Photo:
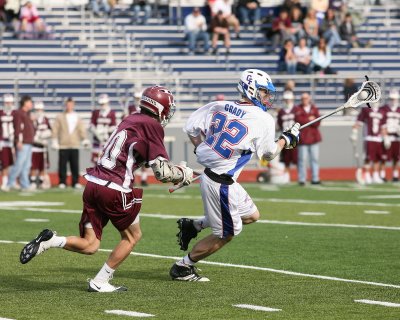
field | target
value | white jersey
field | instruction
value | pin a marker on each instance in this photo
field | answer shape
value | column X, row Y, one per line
column 233, row 132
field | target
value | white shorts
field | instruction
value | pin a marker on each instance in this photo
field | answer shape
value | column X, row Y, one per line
column 225, row 206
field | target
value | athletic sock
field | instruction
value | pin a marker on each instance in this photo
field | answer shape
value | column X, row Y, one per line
column 201, row 223
column 143, row 178
column 58, row 242
column 395, row 173
column 105, row 274
column 383, row 174
column 4, row 181
column 186, row 261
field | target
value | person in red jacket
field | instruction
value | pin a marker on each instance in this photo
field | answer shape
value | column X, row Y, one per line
column 310, row 138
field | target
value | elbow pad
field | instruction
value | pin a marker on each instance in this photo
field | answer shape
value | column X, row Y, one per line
column 165, row 171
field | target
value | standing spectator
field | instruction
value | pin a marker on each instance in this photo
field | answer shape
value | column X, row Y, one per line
column 100, row 5
column 310, row 138
column 285, row 119
column 138, row 6
column 330, row 28
column 348, row 33
column 311, row 27
column 287, row 58
column 30, row 20
column 135, row 107
column 322, row 57
column 68, row 133
column 196, row 30
column 24, row 132
column 225, row 7
column 39, row 151
column 7, row 150
column 249, row 12
column 102, row 124
column 391, row 132
column 281, row 29
column 220, row 27
column 303, row 57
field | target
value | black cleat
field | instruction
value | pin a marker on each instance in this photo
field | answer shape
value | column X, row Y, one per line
column 187, row 232
column 186, row 273
column 36, row 246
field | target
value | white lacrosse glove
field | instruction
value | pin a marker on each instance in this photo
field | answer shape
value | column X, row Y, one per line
column 291, row 136
column 86, row 143
column 354, row 135
column 387, row 142
column 187, row 173
column 55, row 145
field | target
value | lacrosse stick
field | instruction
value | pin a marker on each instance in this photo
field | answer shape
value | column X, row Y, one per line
column 369, row 92
column 181, row 185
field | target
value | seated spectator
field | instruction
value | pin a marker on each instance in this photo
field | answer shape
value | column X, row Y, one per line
column 320, row 7
column 349, row 88
column 321, row 58
column 11, row 10
column 220, row 27
column 281, row 29
column 196, row 30
column 287, row 59
column 32, row 26
column 141, row 5
column 348, row 33
column 225, row 7
column 288, row 5
column 3, row 18
column 303, row 57
column 330, row 28
column 296, row 18
column 249, row 12
column 100, row 5
column 311, row 27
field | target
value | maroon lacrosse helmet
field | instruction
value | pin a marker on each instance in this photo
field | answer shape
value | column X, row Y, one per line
column 159, row 101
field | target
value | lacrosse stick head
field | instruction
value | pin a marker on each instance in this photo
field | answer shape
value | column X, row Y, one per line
column 370, row 92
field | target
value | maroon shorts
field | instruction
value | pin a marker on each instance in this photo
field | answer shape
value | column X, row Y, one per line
column 101, row 204
column 373, row 151
column 6, row 158
column 289, row 156
column 38, row 161
column 393, row 153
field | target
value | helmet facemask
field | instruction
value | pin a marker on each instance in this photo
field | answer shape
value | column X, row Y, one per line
column 165, row 118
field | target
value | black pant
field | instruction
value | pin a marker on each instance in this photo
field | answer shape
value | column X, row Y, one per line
column 71, row 156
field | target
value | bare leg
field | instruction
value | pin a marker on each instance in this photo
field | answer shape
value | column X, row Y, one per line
column 250, row 219
column 89, row 244
column 207, row 246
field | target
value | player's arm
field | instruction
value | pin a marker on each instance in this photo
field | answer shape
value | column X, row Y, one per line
column 166, row 171
column 195, row 125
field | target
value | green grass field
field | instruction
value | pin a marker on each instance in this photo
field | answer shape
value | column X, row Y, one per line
column 310, row 266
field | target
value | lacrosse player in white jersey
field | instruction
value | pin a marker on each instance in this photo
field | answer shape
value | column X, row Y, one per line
column 226, row 134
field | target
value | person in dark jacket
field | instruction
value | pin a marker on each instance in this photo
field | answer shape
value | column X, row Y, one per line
column 249, row 11
column 310, row 138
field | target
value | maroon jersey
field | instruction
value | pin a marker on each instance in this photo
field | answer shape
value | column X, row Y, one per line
column 391, row 120
column 285, row 118
column 104, row 123
column 138, row 139
column 310, row 134
column 372, row 120
column 7, row 127
column 23, row 127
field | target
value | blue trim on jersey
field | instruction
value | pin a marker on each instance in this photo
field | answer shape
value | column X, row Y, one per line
column 227, row 223
column 243, row 159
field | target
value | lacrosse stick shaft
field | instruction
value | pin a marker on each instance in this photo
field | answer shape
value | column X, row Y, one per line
column 322, row 117
column 177, row 187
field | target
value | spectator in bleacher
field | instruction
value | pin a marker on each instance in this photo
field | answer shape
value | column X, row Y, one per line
column 99, row 6
column 196, row 30
column 330, row 28
column 30, row 20
column 249, row 12
column 68, row 133
column 3, row 17
column 220, row 27
column 320, row 7
column 11, row 9
column 7, row 150
column 24, row 132
column 138, row 6
column 303, row 57
column 348, row 33
column 311, row 27
column 40, row 157
column 290, row 85
column 287, row 59
column 225, row 6
column 281, row 29
column 288, row 5
column 296, row 19
column 349, row 88
column 322, row 58
column 310, row 138
column 335, row 4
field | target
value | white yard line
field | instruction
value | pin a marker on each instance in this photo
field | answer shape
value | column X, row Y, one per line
column 380, row 196
column 29, row 204
column 380, row 303
column 240, row 266
column 306, row 213
column 6, row 319
column 376, row 212
column 257, row 308
column 129, row 313
column 36, row 220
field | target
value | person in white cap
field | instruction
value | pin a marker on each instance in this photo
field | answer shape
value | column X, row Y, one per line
column 39, row 177
column 391, row 134
column 6, row 137
column 102, row 124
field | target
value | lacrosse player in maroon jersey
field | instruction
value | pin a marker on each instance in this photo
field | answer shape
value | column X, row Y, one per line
column 391, row 133
column 102, row 124
column 109, row 195
column 39, row 149
column 285, row 119
column 372, row 120
column 6, row 138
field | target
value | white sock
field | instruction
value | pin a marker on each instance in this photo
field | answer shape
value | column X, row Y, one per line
column 201, row 223
column 105, row 274
column 144, row 176
column 58, row 242
column 4, row 181
column 186, row 261
column 395, row 173
column 383, row 174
